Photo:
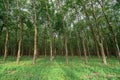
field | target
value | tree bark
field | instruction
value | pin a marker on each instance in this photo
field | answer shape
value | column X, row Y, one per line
column 65, row 32
column 76, row 32
column 61, row 49
column 98, row 39
column 7, row 31
column 97, row 50
column 45, row 42
column 84, row 48
column 20, row 42
column 103, row 54
column 35, row 32
column 20, row 24
column 111, row 30
column 51, row 34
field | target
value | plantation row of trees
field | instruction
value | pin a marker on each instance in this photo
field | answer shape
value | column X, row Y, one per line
column 60, row 27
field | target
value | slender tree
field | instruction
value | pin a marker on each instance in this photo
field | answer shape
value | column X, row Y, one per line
column 110, row 29
column 7, row 29
column 35, row 31
column 99, row 41
column 20, row 24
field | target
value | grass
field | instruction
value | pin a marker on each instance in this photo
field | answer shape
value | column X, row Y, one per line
column 58, row 70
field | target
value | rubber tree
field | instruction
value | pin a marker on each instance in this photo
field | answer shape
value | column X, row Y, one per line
column 6, row 4
column 98, row 39
column 110, row 29
column 20, row 24
column 35, row 31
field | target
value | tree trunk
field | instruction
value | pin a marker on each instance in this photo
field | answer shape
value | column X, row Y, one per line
column 97, row 50
column 84, row 48
column 111, row 30
column 87, row 45
column 103, row 54
column 65, row 32
column 66, row 50
column 51, row 50
column 45, row 42
column 20, row 42
column 78, row 45
column 6, row 42
column 51, row 34
column 7, row 31
column 61, row 49
column 35, row 33
column 98, row 39
column 71, row 48
column 76, row 32
column 20, row 38
column 45, row 51
column 29, row 48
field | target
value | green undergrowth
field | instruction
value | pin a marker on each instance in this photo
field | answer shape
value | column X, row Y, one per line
column 58, row 70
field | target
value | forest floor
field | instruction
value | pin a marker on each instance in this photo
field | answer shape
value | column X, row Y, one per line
column 58, row 70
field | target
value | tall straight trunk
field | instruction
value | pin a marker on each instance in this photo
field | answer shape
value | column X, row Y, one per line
column 111, row 30
column 76, row 32
column 96, row 24
column 20, row 42
column 51, row 34
column 99, row 40
column 66, row 49
column 71, row 48
column 65, row 38
column 54, row 46
column 78, row 44
column 7, row 31
column 16, row 40
column 20, row 38
column 97, row 50
column 88, row 50
column 61, row 49
column 6, row 42
column 100, row 43
column 84, row 48
column 45, row 50
column 87, row 44
column 45, row 42
column 65, row 31
column 105, row 41
column 51, row 50
column 35, row 32
column 103, row 54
